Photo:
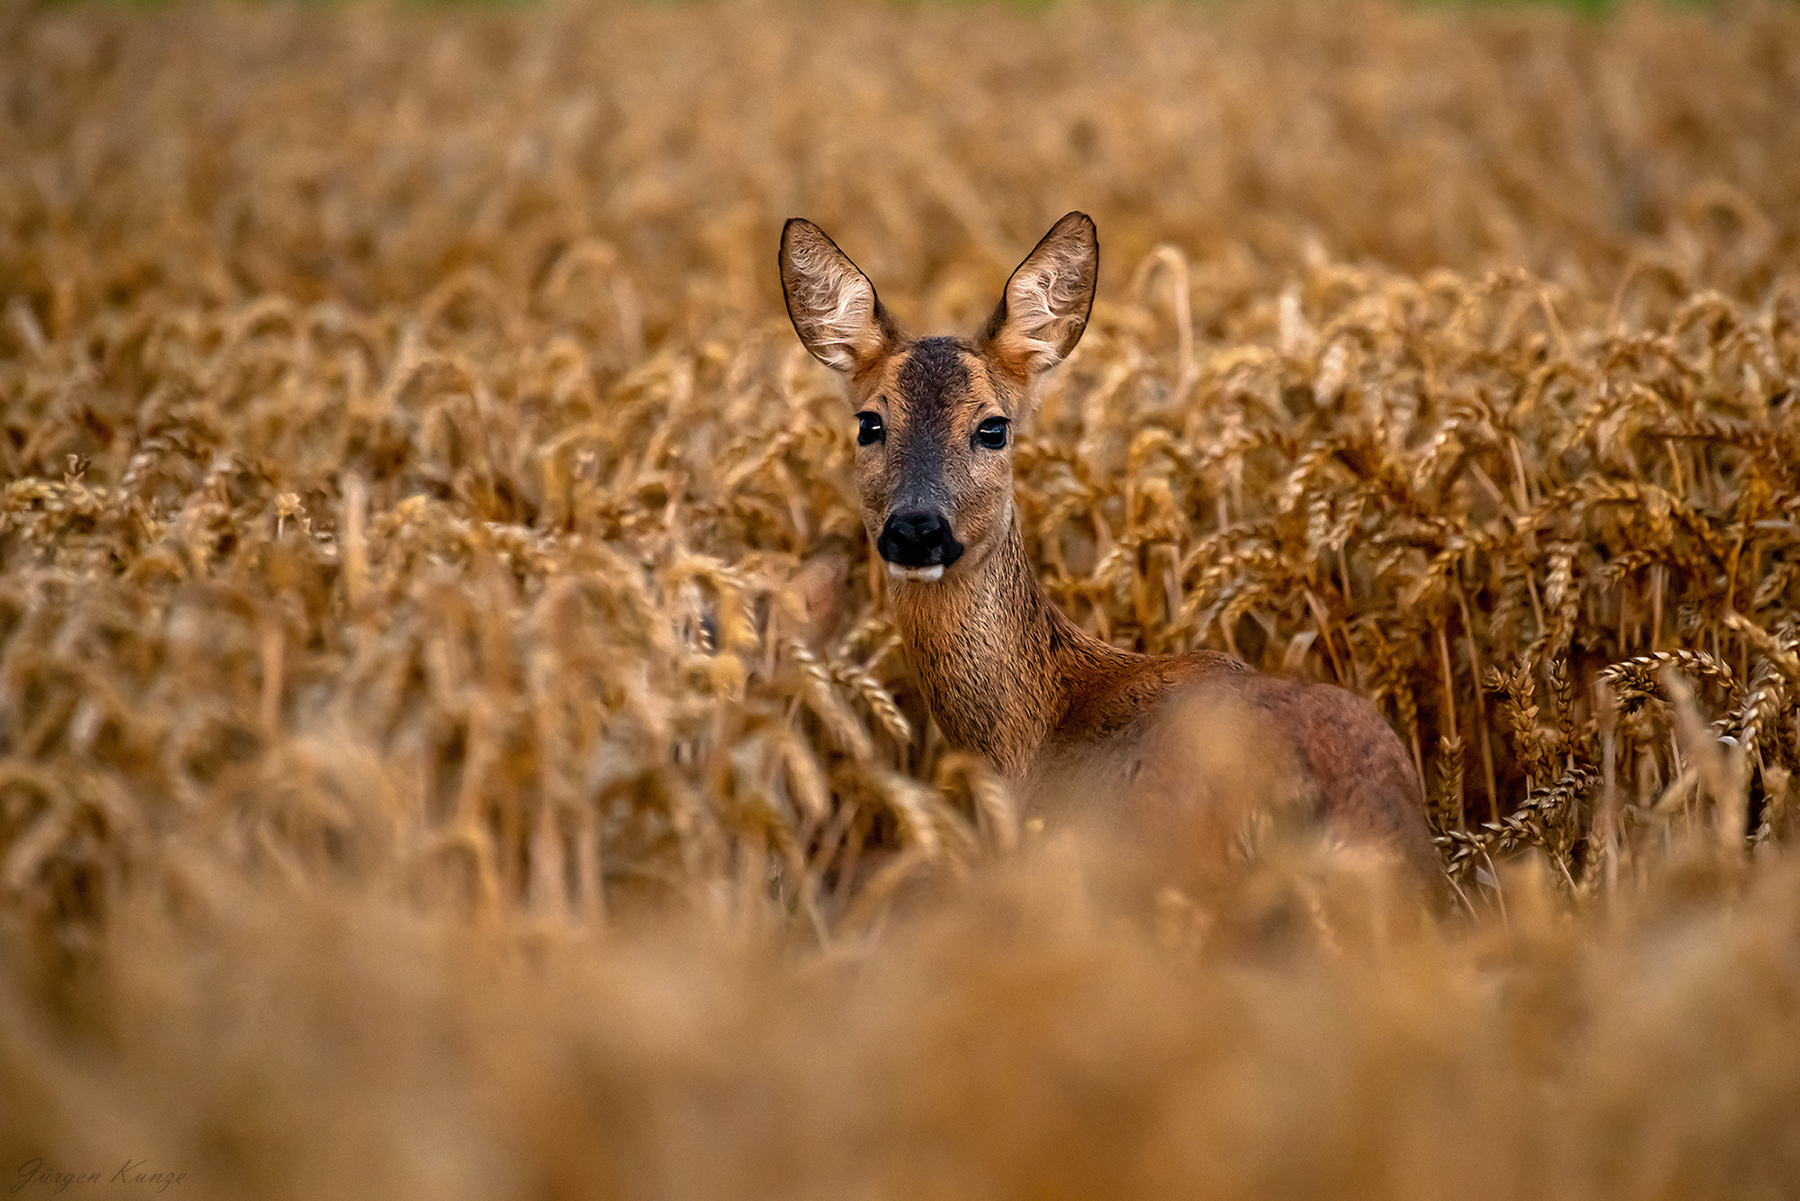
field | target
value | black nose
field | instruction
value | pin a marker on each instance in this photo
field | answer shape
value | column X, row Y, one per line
column 918, row 540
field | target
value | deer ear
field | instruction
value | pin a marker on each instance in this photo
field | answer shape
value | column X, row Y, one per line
column 1045, row 307
column 833, row 305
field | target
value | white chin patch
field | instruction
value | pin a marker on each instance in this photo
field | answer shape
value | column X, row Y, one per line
column 922, row 575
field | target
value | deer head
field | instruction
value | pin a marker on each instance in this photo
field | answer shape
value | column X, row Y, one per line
column 935, row 416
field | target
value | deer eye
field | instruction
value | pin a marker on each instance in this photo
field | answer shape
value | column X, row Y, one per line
column 869, row 428
column 992, row 433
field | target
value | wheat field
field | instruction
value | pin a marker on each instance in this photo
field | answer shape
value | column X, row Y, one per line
column 452, row 743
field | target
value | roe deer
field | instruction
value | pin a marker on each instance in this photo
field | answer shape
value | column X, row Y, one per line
column 1167, row 747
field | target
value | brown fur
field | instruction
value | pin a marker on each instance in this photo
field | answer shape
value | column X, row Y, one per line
column 1167, row 747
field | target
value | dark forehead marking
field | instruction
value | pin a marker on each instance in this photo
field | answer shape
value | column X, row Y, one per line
column 932, row 373
column 934, row 366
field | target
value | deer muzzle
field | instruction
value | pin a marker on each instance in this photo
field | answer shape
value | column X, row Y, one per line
column 918, row 546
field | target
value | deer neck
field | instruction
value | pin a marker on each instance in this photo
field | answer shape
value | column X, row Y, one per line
column 998, row 662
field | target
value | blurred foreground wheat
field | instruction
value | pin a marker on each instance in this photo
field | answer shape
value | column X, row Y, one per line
column 451, row 743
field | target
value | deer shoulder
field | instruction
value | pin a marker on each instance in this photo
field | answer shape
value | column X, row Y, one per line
column 1172, row 748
